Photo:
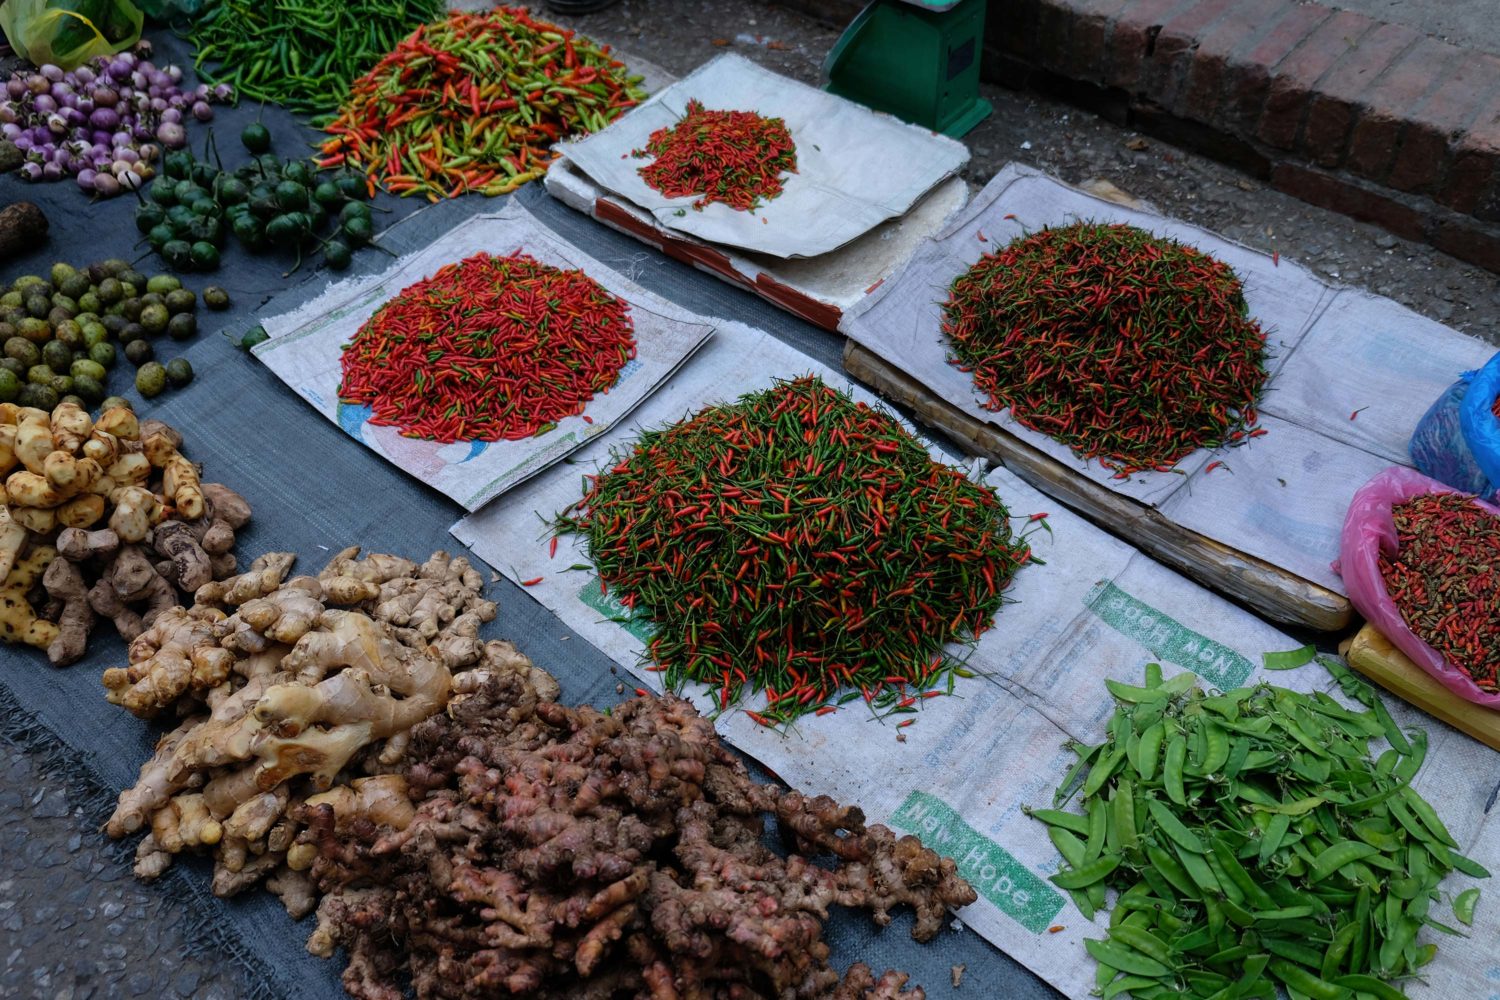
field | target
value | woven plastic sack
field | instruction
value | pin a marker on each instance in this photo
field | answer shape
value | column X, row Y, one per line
column 1457, row 441
column 68, row 33
column 1368, row 531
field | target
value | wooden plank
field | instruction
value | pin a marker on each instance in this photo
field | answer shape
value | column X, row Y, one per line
column 1268, row 589
column 1372, row 654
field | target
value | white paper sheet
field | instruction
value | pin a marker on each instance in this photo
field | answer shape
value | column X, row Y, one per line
column 855, row 167
column 1096, row 609
column 306, row 345
column 1331, row 351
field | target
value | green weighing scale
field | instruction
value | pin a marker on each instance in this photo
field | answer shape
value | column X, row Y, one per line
column 916, row 59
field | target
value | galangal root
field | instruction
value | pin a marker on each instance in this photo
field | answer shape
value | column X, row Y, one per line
column 563, row 852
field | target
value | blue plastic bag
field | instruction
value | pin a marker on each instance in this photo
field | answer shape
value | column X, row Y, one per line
column 1457, row 441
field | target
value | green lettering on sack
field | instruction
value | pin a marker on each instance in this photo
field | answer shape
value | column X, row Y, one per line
column 1168, row 638
column 995, row 874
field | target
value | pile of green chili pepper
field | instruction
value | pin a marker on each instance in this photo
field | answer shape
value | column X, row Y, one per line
column 801, row 544
column 1255, row 842
column 301, row 54
column 1126, row 347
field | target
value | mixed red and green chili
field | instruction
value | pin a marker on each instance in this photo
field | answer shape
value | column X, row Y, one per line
column 1445, row 579
column 735, row 158
column 800, row 544
column 474, row 103
column 1128, row 348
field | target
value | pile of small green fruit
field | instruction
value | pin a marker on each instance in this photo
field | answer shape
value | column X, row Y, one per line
column 62, row 334
column 188, row 212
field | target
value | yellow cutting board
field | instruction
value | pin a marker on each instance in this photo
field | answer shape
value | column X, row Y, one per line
column 1372, row 654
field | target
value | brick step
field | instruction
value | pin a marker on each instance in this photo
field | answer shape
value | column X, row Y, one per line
column 1373, row 120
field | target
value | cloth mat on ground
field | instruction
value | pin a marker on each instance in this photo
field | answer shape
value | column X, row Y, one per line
column 314, row 491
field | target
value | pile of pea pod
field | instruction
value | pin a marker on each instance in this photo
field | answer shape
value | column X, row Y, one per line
column 1254, row 841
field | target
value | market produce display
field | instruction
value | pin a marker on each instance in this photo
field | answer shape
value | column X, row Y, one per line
column 1254, row 841
column 290, row 689
column 61, row 335
column 1444, row 577
column 1129, row 348
column 735, row 158
column 474, row 103
column 267, row 204
column 550, row 851
column 302, row 56
column 489, row 349
column 113, row 516
column 800, row 544
column 104, row 123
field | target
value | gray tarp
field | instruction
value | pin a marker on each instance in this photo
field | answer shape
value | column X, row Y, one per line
column 314, row 491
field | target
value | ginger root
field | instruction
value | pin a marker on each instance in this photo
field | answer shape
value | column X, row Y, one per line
column 297, row 692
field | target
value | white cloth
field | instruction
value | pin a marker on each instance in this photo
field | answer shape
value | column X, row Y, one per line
column 306, row 345
column 1332, row 351
column 856, row 168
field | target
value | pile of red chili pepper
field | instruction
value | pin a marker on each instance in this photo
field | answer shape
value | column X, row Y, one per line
column 490, row 349
column 1445, row 579
column 1126, row 347
column 732, row 157
column 800, row 544
column 474, row 103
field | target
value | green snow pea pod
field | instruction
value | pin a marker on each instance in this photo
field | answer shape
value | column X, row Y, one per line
column 1463, row 906
column 1098, row 829
column 1128, row 984
column 1172, row 770
column 1167, row 867
column 1102, row 771
column 1297, row 978
column 1056, row 817
column 1272, row 838
column 1369, row 985
column 1148, row 751
column 1337, row 856
column 1117, row 956
column 1123, row 803
column 1068, row 845
column 1338, row 950
column 1174, row 827
column 1088, row 874
column 1145, row 942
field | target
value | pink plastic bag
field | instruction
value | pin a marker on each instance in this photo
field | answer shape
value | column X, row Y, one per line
column 1368, row 531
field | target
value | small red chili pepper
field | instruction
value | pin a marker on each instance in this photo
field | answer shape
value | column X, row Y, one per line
column 532, row 582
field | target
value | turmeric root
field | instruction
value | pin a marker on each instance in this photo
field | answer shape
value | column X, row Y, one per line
column 18, row 619
column 98, row 489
